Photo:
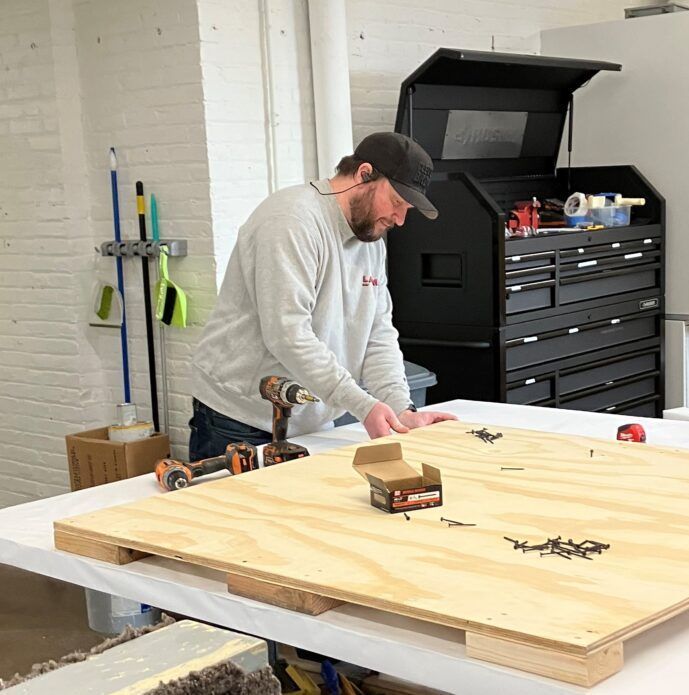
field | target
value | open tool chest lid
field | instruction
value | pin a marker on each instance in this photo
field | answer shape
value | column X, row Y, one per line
column 491, row 114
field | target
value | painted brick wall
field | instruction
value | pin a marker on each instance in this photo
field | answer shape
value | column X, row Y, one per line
column 259, row 107
column 140, row 75
column 39, row 348
column 77, row 77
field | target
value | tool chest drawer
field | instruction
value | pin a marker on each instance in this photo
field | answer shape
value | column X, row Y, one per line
column 530, row 282
column 644, row 408
column 604, row 271
column 576, row 339
column 599, row 382
column 609, row 396
column 531, row 391
column 562, row 278
column 608, row 371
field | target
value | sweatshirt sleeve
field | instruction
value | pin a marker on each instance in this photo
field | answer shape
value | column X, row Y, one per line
column 286, row 262
column 383, row 370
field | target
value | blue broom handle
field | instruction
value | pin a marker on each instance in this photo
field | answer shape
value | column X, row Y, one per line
column 120, row 278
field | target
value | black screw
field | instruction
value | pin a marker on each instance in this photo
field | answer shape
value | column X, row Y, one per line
column 406, row 516
column 452, row 522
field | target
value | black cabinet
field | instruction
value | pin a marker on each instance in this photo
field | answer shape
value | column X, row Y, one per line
column 568, row 319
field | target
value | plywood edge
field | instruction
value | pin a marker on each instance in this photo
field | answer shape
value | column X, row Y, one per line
column 98, row 550
column 282, row 596
column 585, row 670
column 642, row 625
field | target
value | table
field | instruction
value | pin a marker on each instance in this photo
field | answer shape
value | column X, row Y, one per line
column 424, row 653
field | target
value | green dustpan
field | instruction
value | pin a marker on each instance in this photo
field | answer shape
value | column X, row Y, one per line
column 171, row 301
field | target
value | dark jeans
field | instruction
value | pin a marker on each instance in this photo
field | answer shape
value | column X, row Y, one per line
column 212, row 431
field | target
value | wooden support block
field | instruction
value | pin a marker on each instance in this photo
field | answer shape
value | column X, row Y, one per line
column 282, row 596
column 586, row 670
column 97, row 550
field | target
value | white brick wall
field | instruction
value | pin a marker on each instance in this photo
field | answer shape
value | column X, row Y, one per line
column 141, row 92
column 235, row 64
column 39, row 352
column 179, row 88
column 77, row 77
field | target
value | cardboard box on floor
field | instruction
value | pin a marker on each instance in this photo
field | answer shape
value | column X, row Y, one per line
column 94, row 459
column 395, row 485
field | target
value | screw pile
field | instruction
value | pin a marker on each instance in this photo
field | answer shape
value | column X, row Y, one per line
column 567, row 549
column 484, row 435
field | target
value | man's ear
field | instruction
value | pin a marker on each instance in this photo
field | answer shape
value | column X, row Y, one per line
column 365, row 174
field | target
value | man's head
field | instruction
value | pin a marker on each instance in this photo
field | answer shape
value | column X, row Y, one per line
column 396, row 171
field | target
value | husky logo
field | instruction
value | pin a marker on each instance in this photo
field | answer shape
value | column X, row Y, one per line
column 369, row 281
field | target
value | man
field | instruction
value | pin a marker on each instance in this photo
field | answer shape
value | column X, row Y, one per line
column 305, row 296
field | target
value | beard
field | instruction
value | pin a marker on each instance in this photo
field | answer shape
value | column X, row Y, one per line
column 362, row 220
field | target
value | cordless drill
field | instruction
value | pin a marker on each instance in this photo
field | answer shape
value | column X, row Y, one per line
column 284, row 394
column 239, row 457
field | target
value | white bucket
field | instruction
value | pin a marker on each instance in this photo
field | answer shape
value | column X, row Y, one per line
column 111, row 614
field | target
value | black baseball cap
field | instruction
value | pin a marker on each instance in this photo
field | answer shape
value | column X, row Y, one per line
column 404, row 163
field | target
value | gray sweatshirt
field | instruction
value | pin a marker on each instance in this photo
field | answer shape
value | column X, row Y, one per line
column 303, row 298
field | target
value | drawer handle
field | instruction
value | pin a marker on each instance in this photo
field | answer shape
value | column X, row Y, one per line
column 528, row 382
column 614, row 321
column 573, row 330
column 530, row 286
column 585, row 264
column 531, row 339
column 648, row 241
column 616, row 245
column 627, row 256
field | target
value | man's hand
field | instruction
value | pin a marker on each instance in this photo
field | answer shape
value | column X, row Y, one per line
column 413, row 420
column 382, row 419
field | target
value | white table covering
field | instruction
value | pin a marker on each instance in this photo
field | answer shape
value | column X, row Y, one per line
column 655, row 661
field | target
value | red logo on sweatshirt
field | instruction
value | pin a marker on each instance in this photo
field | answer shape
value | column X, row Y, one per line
column 369, row 280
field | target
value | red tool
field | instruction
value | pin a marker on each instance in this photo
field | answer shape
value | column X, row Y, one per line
column 631, row 433
column 524, row 218
column 238, row 458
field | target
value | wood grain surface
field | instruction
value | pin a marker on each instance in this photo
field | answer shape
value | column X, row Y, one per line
column 308, row 525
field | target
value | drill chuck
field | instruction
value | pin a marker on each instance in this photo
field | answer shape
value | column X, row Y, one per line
column 285, row 392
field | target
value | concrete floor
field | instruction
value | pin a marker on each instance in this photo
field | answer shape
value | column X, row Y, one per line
column 40, row 619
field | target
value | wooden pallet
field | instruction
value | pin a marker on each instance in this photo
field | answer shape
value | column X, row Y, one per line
column 304, row 536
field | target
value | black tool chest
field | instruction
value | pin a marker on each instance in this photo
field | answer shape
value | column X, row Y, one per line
column 562, row 319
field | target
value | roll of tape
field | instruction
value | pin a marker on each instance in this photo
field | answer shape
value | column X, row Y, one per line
column 130, row 433
column 576, row 205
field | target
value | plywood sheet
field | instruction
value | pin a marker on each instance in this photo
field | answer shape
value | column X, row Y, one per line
column 308, row 525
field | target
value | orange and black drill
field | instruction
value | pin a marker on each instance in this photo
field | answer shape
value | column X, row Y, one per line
column 238, row 458
column 284, row 394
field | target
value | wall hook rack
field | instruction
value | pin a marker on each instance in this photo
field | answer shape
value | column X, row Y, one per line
column 138, row 249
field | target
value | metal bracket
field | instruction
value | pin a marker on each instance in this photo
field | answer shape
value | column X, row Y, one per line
column 137, row 248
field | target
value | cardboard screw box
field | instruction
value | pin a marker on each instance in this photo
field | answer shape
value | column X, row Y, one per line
column 95, row 460
column 395, row 485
